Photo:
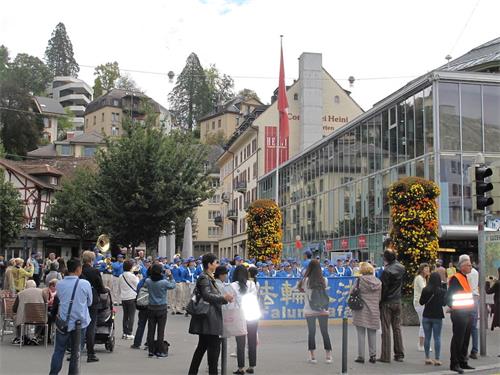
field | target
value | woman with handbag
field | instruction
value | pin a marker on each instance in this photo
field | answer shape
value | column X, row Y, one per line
column 316, row 307
column 433, row 297
column 127, row 289
column 367, row 319
column 206, row 322
column 246, row 297
column 419, row 284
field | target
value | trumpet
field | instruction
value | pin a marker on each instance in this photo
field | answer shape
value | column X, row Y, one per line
column 103, row 243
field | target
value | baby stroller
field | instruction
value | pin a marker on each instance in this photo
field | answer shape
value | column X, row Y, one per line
column 105, row 327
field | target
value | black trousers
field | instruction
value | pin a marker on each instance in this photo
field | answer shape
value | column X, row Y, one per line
column 252, row 345
column 128, row 316
column 157, row 320
column 462, row 327
column 36, row 279
column 211, row 345
column 323, row 327
column 90, row 334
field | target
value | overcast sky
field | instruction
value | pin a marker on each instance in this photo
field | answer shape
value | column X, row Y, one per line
column 366, row 39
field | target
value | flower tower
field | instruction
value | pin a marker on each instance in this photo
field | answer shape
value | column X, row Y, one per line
column 414, row 230
column 264, row 231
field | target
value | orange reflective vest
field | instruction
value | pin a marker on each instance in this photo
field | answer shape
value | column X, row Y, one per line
column 462, row 300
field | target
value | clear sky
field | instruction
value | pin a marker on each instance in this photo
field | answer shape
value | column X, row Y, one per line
column 366, row 39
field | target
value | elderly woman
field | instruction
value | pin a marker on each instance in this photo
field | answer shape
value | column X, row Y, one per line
column 29, row 295
column 8, row 281
column 367, row 320
column 21, row 274
column 53, row 274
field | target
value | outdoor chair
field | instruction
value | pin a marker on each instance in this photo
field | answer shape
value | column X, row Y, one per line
column 7, row 313
column 35, row 314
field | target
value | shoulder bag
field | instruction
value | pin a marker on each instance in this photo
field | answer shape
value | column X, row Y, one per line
column 197, row 306
column 142, row 298
column 61, row 324
column 355, row 302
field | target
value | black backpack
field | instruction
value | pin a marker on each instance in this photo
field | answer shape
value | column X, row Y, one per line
column 319, row 300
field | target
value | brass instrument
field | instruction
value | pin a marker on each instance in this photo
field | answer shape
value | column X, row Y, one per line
column 103, row 243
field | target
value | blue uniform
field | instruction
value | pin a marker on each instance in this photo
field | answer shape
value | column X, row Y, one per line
column 177, row 274
column 347, row 271
column 283, row 273
column 305, row 264
column 378, row 272
column 191, row 274
column 103, row 267
column 98, row 259
column 117, row 268
column 326, row 273
column 199, row 270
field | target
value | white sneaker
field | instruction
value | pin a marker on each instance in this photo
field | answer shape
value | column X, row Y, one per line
column 420, row 348
column 129, row 337
column 312, row 360
column 234, row 355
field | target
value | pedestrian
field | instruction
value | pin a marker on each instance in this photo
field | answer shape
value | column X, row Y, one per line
column 117, row 270
column 367, row 320
column 208, row 327
column 451, row 270
column 93, row 276
column 62, row 267
column 419, row 284
column 390, row 307
column 142, row 316
column 493, row 287
column 3, row 267
column 432, row 298
column 31, row 294
column 49, row 295
column 51, row 259
column 473, row 278
column 106, row 269
column 37, row 269
column 157, row 286
column 127, row 290
column 220, row 276
column 74, row 297
column 21, row 274
column 246, row 290
column 314, row 281
column 8, row 280
column 176, row 294
column 52, row 274
column 442, row 272
column 460, row 300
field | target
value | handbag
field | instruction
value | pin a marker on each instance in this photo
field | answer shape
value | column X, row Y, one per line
column 61, row 324
column 355, row 302
column 197, row 306
column 142, row 298
column 250, row 304
column 233, row 321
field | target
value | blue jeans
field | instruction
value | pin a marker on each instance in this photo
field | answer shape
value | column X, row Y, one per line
column 141, row 326
column 432, row 327
column 62, row 341
column 474, row 330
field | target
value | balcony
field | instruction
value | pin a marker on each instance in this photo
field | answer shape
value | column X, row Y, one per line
column 219, row 221
column 225, row 197
column 232, row 215
column 241, row 187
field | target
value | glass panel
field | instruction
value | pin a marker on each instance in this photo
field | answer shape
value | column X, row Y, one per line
column 357, row 146
column 467, row 163
column 371, row 205
column 377, row 151
column 385, row 140
column 393, row 136
column 472, row 132
column 360, row 199
column 451, row 190
column 386, row 183
column 419, row 124
column 428, row 120
column 402, row 138
column 449, row 124
column 491, row 105
column 370, row 145
column 410, row 129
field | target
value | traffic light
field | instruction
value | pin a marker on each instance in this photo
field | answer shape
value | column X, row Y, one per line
column 483, row 187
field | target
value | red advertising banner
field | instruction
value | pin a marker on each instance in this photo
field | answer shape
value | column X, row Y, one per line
column 270, row 149
column 329, row 245
column 362, row 241
column 344, row 243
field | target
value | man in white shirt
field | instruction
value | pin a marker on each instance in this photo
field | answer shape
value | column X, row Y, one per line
column 473, row 279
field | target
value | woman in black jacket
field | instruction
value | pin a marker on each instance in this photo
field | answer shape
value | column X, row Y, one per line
column 208, row 328
column 434, row 298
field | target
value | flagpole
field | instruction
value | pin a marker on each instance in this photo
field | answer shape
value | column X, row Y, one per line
column 276, row 188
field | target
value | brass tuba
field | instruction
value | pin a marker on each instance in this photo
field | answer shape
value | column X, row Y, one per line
column 103, row 243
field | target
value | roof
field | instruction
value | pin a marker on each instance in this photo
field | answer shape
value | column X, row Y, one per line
column 92, row 137
column 13, row 166
column 246, row 123
column 477, row 58
column 65, row 165
column 230, row 106
column 44, row 151
column 106, row 100
column 48, row 105
column 44, row 169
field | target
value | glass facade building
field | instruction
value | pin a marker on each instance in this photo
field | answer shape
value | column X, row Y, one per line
column 334, row 195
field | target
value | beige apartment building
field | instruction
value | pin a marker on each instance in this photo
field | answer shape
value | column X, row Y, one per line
column 318, row 105
column 224, row 120
column 104, row 115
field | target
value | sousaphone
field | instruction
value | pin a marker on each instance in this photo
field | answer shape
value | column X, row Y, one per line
column 103, row 243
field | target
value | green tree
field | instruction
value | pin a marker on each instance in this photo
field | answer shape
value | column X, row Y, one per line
column 106, row 76
column 190, row 98
column 248, row 94
column 126, row 82
column 147, row 179
column 217, row 139
column 30, row 73
column 220, row 86
column 4, row 61
column 20, row 129
column 64, row 124
column 59, row 53
column 11, row 212
column 73, row 211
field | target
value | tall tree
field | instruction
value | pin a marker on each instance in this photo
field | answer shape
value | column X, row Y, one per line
column 73, row 212
column 30, row 73
column 59, row 53
column 190, row 98
column 11, row 212
column 248, row 94
column 4, row 61
column 126, row 82
column 106, row 76
column 147, row 179
column 220, row 85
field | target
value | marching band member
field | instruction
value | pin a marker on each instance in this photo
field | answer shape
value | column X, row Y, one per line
column 339, row 268
column 177, row 292
column 117, row 270
column 106, row 268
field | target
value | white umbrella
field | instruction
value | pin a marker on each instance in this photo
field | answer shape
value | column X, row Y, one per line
column 170, row 245
column 162, row 245
column 187, row 245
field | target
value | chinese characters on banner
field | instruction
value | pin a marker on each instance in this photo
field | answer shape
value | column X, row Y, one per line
column 281, row 300
column 270, row 149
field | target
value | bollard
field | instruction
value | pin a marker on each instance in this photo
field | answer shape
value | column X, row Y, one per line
column 344, row 346
column 223, row 365
column 74, row 362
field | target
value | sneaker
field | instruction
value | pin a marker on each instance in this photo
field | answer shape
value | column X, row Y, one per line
column 359, row 360
column 92, row 358
column 16, row 341
column 129, row 337
column 161, row 355
column 312, row 360
column 420, row 348
column 429, row 361
column 473, row 355
column 233, row 355
column 135, row 346
column 151, row 355
column 437, row 362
